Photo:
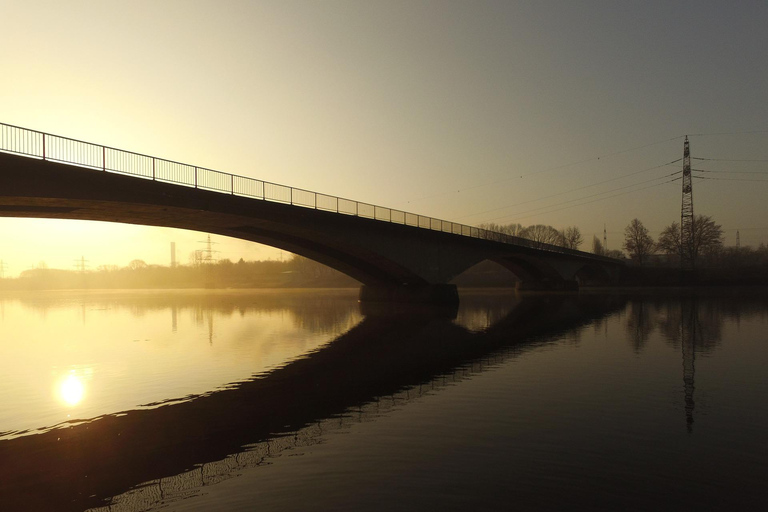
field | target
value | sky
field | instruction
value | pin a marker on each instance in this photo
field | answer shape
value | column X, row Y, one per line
column 533, row 112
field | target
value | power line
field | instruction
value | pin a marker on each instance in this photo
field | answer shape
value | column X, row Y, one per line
column 727, row 159
column 549, row 169
column 577, row 189
column 731, row 172
column 726, row 133
column 597, row 194
column 578, row 162
column 602, row 156
column 599, row 199
column 729, row 179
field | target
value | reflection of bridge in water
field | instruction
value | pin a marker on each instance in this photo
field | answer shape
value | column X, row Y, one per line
column 169, row 489
column 397, row 255
column 353, row 378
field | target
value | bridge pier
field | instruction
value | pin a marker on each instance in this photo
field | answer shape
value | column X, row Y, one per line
column 411, row 294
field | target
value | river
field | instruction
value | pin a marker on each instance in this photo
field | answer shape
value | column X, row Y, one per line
column 304, row 399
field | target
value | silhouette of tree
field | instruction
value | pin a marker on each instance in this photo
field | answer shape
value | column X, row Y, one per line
column 542, row 234
column 506, row 229
column 669, row 239
column 707, row 237
column 597, row 246
column 571, row 237
column 137, row 264
column 637, row 242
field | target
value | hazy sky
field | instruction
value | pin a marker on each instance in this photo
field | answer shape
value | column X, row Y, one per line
column 472, row 111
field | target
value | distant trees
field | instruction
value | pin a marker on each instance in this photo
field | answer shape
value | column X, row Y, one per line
column 137, row 264
column 707, row 240
column 294, row 272
column 572, row 238
column 669, row 239
column 569, row 237
column 597, row 246
column 542, row 234
column 707, row 237
column 599, row 249
column 506, row 229
column 638, row 242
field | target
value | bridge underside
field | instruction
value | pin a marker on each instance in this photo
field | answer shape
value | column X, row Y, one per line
column 393, row 261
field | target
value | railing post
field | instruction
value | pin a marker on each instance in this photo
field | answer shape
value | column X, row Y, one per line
column 104, row 158
column 153, row 169
column 195, row 176
column 232, row 182
column 43, row 146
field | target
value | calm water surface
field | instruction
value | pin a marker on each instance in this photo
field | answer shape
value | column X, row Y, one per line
column 133, row 401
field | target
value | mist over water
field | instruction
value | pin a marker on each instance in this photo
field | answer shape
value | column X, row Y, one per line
column 293, row 399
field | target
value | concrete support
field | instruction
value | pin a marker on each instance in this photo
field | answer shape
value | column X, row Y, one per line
column 415, row 294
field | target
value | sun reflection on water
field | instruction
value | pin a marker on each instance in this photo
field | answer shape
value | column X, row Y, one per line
column 71, row 389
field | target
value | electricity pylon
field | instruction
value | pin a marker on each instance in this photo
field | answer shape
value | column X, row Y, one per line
column 687, row 233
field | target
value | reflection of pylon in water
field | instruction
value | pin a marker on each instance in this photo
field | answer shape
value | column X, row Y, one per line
column 689, row 333
column 210, row 328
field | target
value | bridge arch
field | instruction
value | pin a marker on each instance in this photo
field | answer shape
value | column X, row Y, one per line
column 403, row 260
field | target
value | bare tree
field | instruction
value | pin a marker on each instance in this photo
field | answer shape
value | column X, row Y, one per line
column 137, row 264
column 597, row 246
column 571, row 237
column 707, row 237
column 542, row 234
column 637, row 242
column 494, row 229
column 669, row 239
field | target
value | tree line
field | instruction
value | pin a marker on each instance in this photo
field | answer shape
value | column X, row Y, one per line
column 294, row 272
column 707, row 249
column 569, row 237
column 707, row 240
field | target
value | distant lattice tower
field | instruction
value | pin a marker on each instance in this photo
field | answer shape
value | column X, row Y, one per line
column 207, row 254
column 687, row 246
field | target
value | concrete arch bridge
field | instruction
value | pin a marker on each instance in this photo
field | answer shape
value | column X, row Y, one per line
column 396, row 255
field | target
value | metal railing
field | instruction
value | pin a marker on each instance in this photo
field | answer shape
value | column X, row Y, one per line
column 35, row 144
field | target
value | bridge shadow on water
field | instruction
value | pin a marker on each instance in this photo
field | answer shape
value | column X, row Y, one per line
column 135, row 459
